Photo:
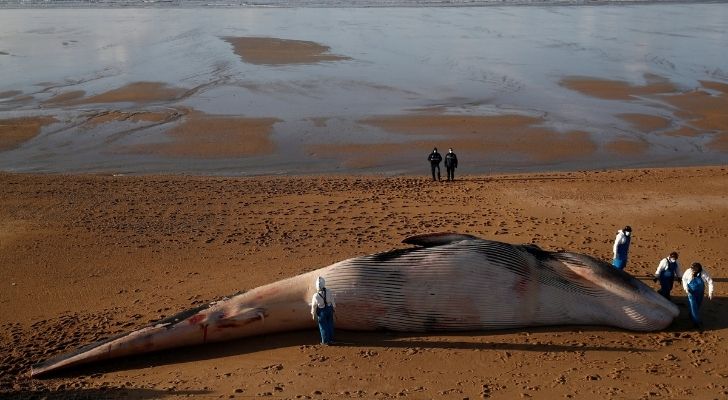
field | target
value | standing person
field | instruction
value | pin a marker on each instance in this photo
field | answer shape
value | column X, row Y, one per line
column 322, row 306
column 621, row 247
column 434, row 158
column 693, row 281
column 451, row 162
column 667, row 271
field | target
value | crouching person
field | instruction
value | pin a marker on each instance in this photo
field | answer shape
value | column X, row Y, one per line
column 322, row 307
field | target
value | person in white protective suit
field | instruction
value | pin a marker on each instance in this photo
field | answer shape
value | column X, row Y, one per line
column 621, row 247
column 322, row 307
column 694, row 281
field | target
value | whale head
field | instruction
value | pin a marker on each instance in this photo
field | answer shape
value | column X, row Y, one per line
column 616, row 297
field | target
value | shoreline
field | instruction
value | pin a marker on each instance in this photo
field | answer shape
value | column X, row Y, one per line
column 363, row 4
column 373, row 175
column 376, row 174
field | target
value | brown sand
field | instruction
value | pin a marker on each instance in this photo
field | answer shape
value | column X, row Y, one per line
column 209, row 136
column 720, row 142
column 483, row 136
column 618, row 90
column 646, row 123
column 700, row 111
column 137, row 92
column 627, row 147
column 9, row 94
column 704, row 110
column 453, row 124
column 319, row 122
column 684, row 131
column 106, row 117
column 84, row 257
column 66, row 97
column 274, row 51
column 529, row 145
column 14, row 132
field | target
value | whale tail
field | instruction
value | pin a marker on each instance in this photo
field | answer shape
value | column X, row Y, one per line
column 147, row 339
column 275, row 307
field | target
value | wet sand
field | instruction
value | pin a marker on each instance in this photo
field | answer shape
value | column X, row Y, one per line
column 646, row 123
column 118, row 116
column 9, row 93
column 695, row 116
column 618, row 90
column 373, row 98
column 275, row 51
column 15, row 132
column 137, row 92
column 84, row 257
column 199, row 135
column 698, row 111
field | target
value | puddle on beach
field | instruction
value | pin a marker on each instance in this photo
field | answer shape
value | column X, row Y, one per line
column 370, row 90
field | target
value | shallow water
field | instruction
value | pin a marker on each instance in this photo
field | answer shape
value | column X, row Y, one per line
column 474, row 61
column 304, row 3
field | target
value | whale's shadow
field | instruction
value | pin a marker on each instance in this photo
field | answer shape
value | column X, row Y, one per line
column 106, row 393
column 345, row 338
column 713, row 313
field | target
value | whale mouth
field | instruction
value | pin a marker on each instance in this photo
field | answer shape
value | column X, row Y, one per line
column 649, row 310
column 642, row 308
column 658, row 302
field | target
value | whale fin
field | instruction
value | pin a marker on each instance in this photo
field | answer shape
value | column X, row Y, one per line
column 437, row 239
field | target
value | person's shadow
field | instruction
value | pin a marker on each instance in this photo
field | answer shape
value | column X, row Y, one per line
column 95, row 394
column 713, row 312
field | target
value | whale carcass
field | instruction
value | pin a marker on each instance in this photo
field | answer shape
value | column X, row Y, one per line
column 446, row 282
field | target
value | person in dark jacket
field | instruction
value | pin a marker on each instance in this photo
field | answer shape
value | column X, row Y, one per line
column 451, row 162
column 435, row 158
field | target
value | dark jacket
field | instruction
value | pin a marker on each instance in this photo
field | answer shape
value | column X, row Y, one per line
column 451, row 160
column 434, row 158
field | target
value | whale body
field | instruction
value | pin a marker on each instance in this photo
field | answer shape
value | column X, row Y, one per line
column 446, row 282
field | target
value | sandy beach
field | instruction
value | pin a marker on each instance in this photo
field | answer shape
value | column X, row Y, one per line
column 87, row 256
column 153, row 160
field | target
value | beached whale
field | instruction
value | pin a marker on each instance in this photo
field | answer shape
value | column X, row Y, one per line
column 447, row 282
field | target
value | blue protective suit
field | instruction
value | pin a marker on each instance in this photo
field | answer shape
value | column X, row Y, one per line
column 326, row 323
column 621, row 251
column 667, row 278
column 696, row 291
